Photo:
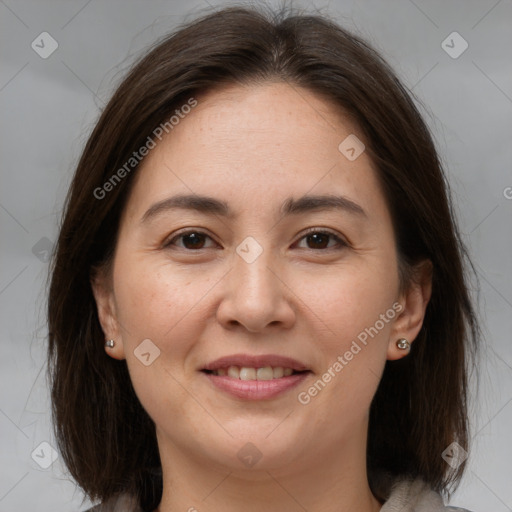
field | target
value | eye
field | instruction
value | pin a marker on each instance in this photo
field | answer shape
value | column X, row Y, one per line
column 192, row 239
column 319, row 239
column 195, row 240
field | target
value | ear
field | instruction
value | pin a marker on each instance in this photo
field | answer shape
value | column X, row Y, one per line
column 414, row 301
column 103, row 292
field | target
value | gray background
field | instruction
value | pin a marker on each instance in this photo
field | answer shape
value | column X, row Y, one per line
column 48, row 107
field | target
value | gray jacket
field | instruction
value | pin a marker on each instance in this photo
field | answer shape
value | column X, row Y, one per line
column 406, row 496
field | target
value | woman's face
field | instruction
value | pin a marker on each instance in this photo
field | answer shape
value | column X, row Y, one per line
column 190, row 286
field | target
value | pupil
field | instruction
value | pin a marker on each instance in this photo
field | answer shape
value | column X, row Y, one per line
column 316, row 235
column 196, row 239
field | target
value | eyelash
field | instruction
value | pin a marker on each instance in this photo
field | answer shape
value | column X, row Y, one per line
column 341, row 243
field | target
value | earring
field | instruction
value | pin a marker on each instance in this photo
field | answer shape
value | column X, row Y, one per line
column 110, row 343
column 403, row 344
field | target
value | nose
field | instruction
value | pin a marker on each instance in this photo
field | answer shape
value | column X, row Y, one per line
column 256, row 295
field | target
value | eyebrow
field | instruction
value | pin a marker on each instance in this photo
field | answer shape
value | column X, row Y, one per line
column 211, row 206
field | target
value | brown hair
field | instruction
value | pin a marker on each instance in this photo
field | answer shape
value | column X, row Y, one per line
column 106, row 438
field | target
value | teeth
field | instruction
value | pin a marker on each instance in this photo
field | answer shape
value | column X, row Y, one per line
column 244, row 373
column 278, row 372
column 247, row 374
column 234, row 372
column 265, row 373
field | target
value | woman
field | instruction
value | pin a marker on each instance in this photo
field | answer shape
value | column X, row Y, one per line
column 258, row 297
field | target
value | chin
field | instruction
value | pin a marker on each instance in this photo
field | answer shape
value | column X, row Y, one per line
column 258, row 448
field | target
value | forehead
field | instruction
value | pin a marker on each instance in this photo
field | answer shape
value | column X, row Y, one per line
column 278, row 115
column 251, row 143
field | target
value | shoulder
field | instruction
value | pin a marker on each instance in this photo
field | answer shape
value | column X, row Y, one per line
column 416, row 495
column 118, row 503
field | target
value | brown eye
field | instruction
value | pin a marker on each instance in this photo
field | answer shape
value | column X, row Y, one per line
column 316, row 239
column 190, row 240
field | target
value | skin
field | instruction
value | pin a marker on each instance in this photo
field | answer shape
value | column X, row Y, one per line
column 253, row 147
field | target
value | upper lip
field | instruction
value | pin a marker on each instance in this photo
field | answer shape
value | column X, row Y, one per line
column 249, row 361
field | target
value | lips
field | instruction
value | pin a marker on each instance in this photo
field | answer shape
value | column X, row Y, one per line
column 256, row 389
column 255, row 377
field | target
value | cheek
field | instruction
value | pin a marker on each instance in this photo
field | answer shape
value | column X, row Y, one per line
column 358, row 310
column 354, row 300
column 162, row 304
column 154, row 301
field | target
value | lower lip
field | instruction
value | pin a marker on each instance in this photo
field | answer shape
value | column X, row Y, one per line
column 256, row 389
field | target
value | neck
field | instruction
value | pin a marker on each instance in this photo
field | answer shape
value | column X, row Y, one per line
column 330, row 482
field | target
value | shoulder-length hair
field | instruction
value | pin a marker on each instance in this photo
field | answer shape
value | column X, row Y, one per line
column 106, row 438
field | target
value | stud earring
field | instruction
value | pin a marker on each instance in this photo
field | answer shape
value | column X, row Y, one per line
column 110, row 343
column 403, row 344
